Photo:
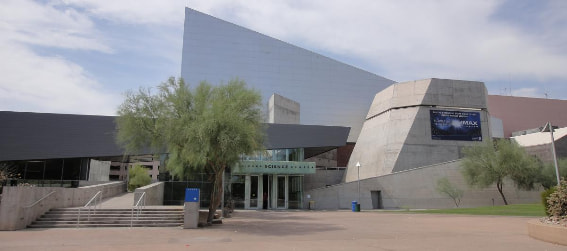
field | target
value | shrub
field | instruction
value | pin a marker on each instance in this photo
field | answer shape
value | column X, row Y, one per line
column 557, row 201
column 138, row 177
column 545, row 196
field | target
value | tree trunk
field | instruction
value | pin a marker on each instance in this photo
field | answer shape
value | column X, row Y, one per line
column 216, row 195
column 499, row 185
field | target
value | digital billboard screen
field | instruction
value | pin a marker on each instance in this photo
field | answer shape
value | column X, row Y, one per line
column 455, row 125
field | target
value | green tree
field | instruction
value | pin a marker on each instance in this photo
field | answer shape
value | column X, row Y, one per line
column 204, row 129
column 138, row 177
column 492, row 162
column 547, row 176
column 444, row 186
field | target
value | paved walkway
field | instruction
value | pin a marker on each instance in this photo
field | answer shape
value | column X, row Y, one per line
column 299, row 230
column 125, row 200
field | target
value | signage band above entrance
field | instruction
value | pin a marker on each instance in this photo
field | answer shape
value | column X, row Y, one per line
column 273, row 167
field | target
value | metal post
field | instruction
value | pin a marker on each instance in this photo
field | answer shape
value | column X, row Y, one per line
column 358, row 172
column 554, row 154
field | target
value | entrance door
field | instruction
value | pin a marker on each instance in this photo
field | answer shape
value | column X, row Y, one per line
column 266, row 191
column 295, row 192
column 376, row 199
column 282, row 192
column 254, row 192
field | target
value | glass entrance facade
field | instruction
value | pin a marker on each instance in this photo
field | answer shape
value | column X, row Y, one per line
column 271, row 180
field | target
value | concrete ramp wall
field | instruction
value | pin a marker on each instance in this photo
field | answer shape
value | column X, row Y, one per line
column 415, row 189
column 154, row 194
column 18, row 207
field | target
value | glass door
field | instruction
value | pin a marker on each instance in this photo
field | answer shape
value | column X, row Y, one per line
column 253, row 192
column 282, row 192
column 295, row 188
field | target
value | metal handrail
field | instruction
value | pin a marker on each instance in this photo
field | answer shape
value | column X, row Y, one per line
column 138, row 207
column 38, row 201
column 88, row 206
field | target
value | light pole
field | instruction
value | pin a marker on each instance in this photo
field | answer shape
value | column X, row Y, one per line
column 358, row 171
column 549, row 128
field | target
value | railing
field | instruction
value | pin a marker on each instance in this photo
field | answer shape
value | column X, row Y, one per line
column 26, row 208
column 89, row 205
column 140, row 204
column 43, row 183
column 38, row 201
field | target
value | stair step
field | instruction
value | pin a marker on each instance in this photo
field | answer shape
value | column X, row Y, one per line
column 110, row 217
column 106, row 225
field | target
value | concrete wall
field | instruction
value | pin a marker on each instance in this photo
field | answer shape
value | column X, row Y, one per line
column 282, row 110
column 396, row 135
column 326, row 159
column 416, row 189
column 323, row 178
column 16, row 211
column 154, row 194
column 99, row 170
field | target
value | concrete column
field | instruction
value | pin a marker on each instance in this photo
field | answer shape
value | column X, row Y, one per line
column 260, row 191
column 286, row 191
column 191, row 215
column 274, row 194
column 247, row 183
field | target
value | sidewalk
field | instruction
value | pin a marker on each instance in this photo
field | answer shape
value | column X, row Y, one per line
column 299, row 230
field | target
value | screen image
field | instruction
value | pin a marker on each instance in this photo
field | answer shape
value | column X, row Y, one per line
column 455, row 125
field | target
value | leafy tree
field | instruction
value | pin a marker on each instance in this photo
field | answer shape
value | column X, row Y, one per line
column 138, row 177
column 204, row 129
column 547, row 176
column 444, row 186
column 492, row 162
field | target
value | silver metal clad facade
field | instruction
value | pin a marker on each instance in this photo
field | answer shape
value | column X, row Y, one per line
column 330, row 92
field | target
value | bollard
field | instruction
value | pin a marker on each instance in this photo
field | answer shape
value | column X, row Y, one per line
column 191, row 208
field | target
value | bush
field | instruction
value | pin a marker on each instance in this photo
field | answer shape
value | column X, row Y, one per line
column 138, row 177
column 545, row 196
column 557, row 201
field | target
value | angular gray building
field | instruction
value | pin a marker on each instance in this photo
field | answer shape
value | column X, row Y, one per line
column 330, row 92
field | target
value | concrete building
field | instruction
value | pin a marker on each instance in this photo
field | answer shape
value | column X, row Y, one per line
column 400, row 131
column 406, row 136
column 413, row 136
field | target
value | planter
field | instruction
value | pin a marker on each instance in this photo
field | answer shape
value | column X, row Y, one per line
column 547, row 232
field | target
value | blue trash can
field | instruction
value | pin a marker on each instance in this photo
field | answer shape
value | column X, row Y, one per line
column 354, row 202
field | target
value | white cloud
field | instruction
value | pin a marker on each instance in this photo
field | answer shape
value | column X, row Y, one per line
column 528, row 92
column 406, row 40
column 133, row 11
column 29, row 22
column 48, row 83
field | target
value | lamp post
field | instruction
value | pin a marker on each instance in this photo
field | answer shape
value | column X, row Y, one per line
column 358, row 171
column 549, row 128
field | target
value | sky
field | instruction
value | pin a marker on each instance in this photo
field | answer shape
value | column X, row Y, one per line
column 81, row 56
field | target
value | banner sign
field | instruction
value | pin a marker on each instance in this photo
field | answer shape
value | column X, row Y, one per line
column 455, row 125
column 273, row 167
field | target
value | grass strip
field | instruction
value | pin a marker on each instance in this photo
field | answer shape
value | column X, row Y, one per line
column 509, row 210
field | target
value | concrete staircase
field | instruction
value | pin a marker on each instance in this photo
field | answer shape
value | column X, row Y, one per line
column 148, row 217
